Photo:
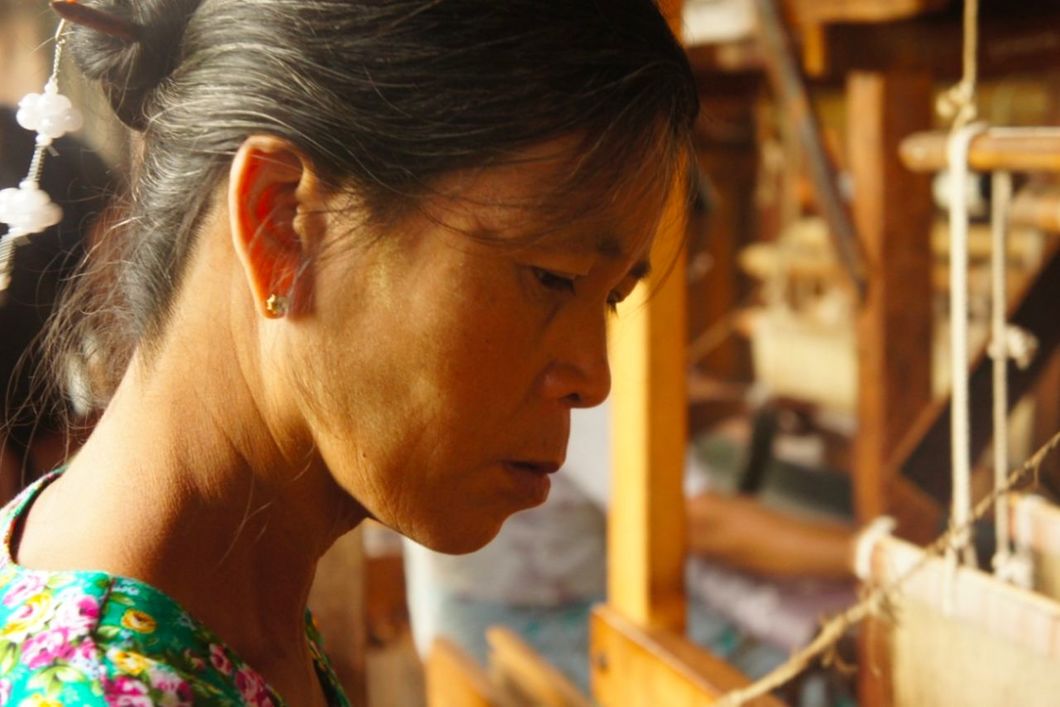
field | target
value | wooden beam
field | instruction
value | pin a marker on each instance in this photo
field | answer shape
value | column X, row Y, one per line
column 454, row 679
column 646, row 523
column 633, row 666
column 1019, row 150
column 518, row 671
column 1010, row 41
column 819, row 11
column 646, row 520
column 893, row 211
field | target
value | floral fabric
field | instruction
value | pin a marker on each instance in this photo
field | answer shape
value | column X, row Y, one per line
column 92, row 638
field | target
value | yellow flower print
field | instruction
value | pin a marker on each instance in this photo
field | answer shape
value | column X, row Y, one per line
column 30, row 616
column 129, row 663
column 138, row 621
column 41, row 701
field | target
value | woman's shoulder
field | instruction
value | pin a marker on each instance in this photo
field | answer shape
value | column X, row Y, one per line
column 89, row 638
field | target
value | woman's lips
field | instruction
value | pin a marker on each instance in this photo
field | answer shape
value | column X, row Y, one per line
column 535, row 466
column 531, row 479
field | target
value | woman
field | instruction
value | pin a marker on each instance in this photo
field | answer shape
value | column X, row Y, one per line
column 370, row 255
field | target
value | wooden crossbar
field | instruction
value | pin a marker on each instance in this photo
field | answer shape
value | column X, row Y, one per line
column 998, row 149
column 635, row 666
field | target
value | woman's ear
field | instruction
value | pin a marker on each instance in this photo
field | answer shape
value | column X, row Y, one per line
column 269, row 182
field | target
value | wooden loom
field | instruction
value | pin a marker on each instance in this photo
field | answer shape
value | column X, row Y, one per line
column 961, row 635
column 639, row 655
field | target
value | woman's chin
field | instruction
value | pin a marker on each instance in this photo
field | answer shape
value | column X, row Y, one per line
column 459, row 539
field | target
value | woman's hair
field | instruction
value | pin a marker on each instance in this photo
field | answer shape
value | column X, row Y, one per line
column 383, row 96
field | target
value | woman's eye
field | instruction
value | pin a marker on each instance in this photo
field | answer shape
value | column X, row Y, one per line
column 614, row 299
column 554, row 281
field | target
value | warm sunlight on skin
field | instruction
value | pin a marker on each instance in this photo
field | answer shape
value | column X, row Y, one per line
column 423, row 375
column 454, row 356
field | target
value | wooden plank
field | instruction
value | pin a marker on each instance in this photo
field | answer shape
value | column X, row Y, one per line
column 454, row 679
column 893, row 211
column 1010, row 41
column 522, row 674
column 632, row 666
column 646, row 523
column 1019, row 150
column 821, row 11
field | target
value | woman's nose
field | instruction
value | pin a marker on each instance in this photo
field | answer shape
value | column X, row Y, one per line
column 580, row 374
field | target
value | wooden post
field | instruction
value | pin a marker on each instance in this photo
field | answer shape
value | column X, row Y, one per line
column 646, row 524
column 892, row 210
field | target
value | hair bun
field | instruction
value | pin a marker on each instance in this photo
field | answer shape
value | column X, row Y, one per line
column 130, row 47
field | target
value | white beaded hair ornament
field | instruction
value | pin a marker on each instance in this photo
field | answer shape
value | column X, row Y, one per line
column 27, row 209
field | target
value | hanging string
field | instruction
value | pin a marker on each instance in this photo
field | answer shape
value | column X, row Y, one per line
column 960, row 423
column 879, row 597
column 958, row 103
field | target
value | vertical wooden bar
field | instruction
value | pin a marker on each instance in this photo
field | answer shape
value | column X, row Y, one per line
column 646, row 521
column 646, row 524
column 892, row 211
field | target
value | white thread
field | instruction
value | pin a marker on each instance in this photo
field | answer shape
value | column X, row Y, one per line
column 1001, row 196
column 957, row 155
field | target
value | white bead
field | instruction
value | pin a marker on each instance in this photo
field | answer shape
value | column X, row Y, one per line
column 28, row 209
column 51, row 114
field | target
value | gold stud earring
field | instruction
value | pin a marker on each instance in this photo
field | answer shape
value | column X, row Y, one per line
column 277, row 305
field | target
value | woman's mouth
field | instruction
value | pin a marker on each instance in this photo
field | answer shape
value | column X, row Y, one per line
column 537, row 467
column 531, row 479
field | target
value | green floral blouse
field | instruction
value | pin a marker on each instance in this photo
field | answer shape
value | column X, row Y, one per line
column 92, row 638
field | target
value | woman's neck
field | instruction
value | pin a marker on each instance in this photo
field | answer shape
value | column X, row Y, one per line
column 190, row 485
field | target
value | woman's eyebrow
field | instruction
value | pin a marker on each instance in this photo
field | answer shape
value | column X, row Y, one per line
column 640, row 270
column 610, row 248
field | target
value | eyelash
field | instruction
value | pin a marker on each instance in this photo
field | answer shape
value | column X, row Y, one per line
column 558, row 283
column 553, row 281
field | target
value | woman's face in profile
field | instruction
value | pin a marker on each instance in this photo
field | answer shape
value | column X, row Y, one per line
column 445, row 358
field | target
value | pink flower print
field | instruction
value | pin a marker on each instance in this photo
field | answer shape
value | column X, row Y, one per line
column 5, row 691
column 253, row 689
column 77, row 611
column 46, row 648
column 219, row 659
column 126, row 692
column 28, row 585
